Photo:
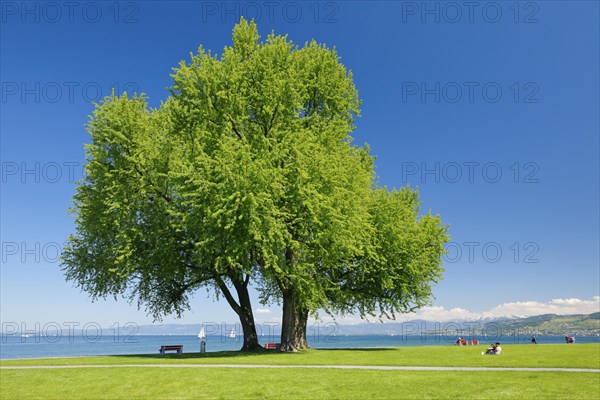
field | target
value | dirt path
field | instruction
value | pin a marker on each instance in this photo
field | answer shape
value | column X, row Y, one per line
column 366, row 367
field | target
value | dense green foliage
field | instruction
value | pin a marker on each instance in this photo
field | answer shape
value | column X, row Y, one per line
column 248, row 173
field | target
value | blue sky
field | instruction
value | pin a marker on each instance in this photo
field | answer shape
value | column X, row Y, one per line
column 492, row 110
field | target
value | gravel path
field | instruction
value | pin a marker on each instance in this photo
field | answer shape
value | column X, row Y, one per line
column 367, row 367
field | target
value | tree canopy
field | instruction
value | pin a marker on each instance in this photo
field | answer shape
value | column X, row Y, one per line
column 248, row 173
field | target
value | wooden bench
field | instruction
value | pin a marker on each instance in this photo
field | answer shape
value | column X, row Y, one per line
column 464, row 342
column 174, row 347
column 272, row 346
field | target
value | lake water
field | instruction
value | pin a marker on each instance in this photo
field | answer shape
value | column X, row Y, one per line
column 15, row 346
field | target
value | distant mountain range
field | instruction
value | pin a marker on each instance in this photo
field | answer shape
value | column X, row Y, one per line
column 551, row 324
column 547, row 324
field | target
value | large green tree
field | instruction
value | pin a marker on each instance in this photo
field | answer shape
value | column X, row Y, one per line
column 248, row 173
column 159, row 217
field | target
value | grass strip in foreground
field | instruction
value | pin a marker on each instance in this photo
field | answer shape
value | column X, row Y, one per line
column 293, row 383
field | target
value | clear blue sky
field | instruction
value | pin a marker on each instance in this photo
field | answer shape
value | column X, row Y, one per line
column 492, row 111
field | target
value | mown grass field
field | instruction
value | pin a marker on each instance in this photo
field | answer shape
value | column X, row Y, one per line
column 296, row 383
column 551, row 355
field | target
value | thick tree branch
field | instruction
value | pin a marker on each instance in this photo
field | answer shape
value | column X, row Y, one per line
column 227, row 293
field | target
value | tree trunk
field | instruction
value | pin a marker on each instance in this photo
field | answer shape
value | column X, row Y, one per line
column 295, row 318
column 247, row 320
column 243, row 310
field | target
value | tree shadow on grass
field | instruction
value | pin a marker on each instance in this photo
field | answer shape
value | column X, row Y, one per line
column 204, row 356
column 242, row 354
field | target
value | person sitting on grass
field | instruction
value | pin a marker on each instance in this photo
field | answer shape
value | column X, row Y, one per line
column 494, row 350
column 498, row 349
column 569, row 339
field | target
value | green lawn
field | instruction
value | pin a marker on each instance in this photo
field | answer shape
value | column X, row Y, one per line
column 181, row 383
column 556, row 355
column 235, row 383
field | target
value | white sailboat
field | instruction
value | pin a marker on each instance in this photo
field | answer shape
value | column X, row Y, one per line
column 231, row 334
